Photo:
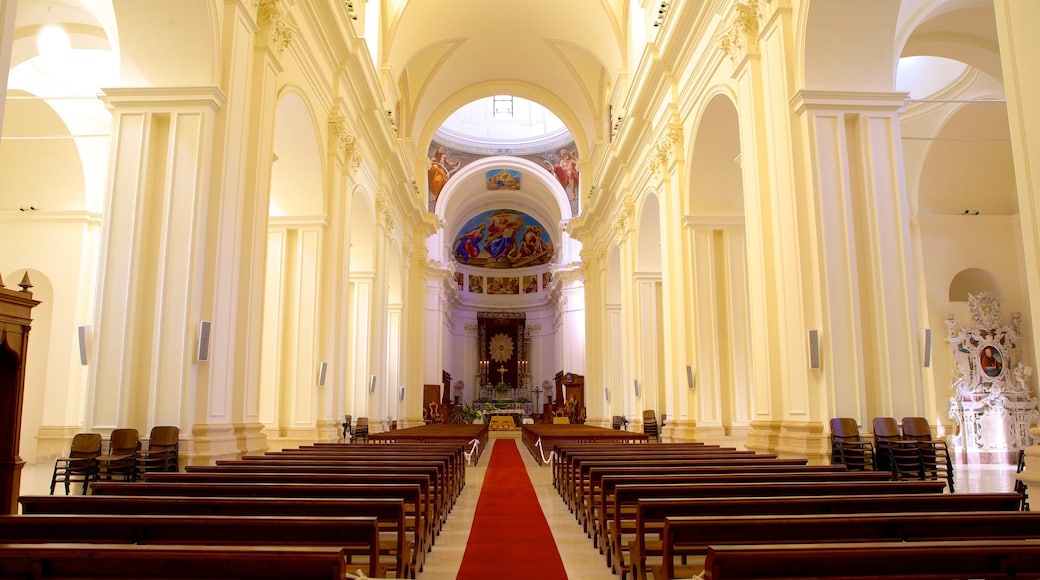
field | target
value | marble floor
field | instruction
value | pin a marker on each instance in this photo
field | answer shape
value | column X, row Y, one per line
column 582, row 561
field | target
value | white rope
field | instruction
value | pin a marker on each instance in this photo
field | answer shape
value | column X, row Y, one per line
column 472, row 451
column 545, row 460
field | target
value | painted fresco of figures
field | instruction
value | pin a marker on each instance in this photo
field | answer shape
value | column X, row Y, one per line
column 502, row 238
column 467, row 246
column 566, row 171
column 440, row 170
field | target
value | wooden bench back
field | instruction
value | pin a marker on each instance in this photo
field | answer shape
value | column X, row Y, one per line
column 690, row 536
column 358, row 535
column 933, row 560
column 157, row 562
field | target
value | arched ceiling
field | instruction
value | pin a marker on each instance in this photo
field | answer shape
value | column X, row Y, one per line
column 560, row 54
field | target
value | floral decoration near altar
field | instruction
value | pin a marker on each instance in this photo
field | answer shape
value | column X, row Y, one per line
column 992, row 402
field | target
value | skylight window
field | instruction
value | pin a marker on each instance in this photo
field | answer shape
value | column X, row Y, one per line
column 503, row 107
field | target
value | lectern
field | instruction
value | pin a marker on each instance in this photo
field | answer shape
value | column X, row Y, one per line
column 15, row 307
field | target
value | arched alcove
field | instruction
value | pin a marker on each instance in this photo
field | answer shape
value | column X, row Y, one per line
column 973, row 281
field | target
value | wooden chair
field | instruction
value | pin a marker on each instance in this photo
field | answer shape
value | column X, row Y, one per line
column 360, row 431
column 650, row 425
column 894, row 452
column 162, row 453
column 348, row 428
column 121, row 460
column 934, row 453
column 848, row 448
column 80, row 466
column 615, row 422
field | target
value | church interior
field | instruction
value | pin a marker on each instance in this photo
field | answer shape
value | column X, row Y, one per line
column 729, row 221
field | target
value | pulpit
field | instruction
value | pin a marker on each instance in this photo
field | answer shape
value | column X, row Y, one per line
column 15, row 308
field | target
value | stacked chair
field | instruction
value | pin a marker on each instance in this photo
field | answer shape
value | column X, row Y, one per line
column 162, row 453
column 848, row 448
column 121, row 460
column 650, row 426
column 348, row 428
column 895, row 453
column 360, row 433
column 935, row 456
column 80, row 466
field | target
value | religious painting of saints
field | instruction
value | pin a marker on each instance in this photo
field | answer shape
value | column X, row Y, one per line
column 458, row 279
column 500, row 285
column 476, row 284
column 502, row 238
column 503, row 179
column 546, row 278
column 991, row 361
column 530, row 284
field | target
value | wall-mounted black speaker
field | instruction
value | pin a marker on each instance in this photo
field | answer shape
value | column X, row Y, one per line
column 203, row 354
column 814, row 349
column 81, row 334
column 322, row 368
column 926, row 348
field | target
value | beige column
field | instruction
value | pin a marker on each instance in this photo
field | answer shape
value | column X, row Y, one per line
column 600, row 401
column 148, row 304
column 415, row 333
column 1019, row 45
column 235, row 301
column 7, row 10
column 337, row 393
column 632, row 363
column 377, row 360
column 669, row 166
column 761, row 217
column 869, row 325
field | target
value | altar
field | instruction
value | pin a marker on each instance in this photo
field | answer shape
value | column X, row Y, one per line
column 516, row 416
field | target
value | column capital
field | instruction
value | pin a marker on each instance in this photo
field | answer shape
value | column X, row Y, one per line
column 667, row 148
column 740, row 40
column 817, row 101
column 344, row 143
column 275, row 29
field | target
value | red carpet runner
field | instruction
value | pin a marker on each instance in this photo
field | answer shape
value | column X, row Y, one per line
column 510, row 537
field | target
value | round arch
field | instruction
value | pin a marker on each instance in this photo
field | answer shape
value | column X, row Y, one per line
column 297, row 175
column 716, row 181
column 168, row 44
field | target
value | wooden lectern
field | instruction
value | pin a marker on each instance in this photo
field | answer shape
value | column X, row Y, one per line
column 15, row 307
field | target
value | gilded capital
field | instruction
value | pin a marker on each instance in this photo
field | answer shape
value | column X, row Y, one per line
column 275, row 30
column 741, row 39
column 347, row 146
column 667, row 148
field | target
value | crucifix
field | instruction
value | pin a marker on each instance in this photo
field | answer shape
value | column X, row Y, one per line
column 501, row 373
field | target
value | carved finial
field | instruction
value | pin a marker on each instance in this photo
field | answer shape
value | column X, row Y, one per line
column 25, row 284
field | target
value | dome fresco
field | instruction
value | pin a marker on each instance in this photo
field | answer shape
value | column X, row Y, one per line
column 502, row 238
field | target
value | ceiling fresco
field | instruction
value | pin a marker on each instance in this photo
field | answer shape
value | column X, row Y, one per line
column 502, row 238
column 560, row 162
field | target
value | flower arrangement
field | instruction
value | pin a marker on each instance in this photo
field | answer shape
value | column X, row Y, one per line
column 501, row 388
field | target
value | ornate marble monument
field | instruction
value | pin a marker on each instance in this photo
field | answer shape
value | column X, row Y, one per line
column 993, row 403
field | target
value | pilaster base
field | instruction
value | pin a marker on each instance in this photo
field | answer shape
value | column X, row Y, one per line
column 208, row 443
column 680, row 431
column 804, row 439
column 53, row 442
column 764, row 436
column 293, row 438
column 329, row 430
column 251, row 438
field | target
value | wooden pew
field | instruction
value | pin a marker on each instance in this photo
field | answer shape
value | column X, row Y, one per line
column 323, row 472
column 356, row 535
column 688, row 537
column 626, row 497
column 579, row 479
column 651, row 513
column 389, row 512
column 453, row 454
column 934, row 560
column 431, row 505
column 43, row 561
column 412, row 494
column 564, row 451
column 602, row 505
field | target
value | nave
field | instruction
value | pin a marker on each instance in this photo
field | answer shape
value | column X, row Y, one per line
column 581, row 560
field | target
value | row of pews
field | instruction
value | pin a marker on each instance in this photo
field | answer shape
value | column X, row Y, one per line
column 683, row 510
column 320, row 511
